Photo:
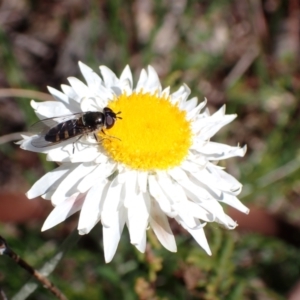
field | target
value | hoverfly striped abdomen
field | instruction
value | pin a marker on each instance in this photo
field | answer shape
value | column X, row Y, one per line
column 64, row 131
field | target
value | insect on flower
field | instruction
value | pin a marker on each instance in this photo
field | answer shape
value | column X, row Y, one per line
column 165, row 166
column 58, row 129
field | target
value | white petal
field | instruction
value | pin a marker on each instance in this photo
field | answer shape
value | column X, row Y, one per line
column 141, row 245
column 197, row 144
column 58, row 155
column 69, row 184
column 171, row 189
column 160, row 225
column 192, row 167
column 158, row 194
column 109, row 77
column 112, row 234
column 188, row 220
column 100, row 172
column 193, row 189
column 50, row 109
column 130, row 187
column 104, row 95
column 220, row 113
column 75, row 150
column 50, row 179
column 92, row 79
column 225, row 181
column 125, row 88
column 90, row 211
column 152, row 84
column 126, row 77
column 89, row 154
column 80, row 88
column 194, row 210
column 111, row 203
column 204, row 180
column 166, row 92
column 102, row 158
column 194, row 112
column 216, row 210
column 85, row 146
column 90, row 104
column 234, row 202
column 141, row 82
column 142, row 178
column 199, row 235
column 69, row 91
column 214, row 180
column 217, row 151
column 190, row 104
column 181, row 95
column 138, row 216
column 208, row 127
column 24, row 136
column 64, row 210
column 227, row 222
column 178, row 174
column 59, row 96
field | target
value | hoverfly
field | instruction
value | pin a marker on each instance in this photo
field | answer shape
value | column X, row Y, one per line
column 59, row 129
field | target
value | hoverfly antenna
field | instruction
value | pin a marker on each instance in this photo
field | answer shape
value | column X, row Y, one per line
column 118, row 114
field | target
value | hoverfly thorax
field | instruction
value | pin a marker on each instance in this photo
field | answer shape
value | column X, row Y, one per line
column 93, row 119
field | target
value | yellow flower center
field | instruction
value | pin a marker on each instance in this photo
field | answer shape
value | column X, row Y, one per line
column 153, row 134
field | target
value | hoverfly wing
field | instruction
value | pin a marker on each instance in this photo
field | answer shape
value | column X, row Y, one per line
column 47, row 124
column 45, row 128
column 40, row 142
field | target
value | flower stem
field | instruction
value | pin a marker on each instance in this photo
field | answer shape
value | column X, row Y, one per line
column 5, row 249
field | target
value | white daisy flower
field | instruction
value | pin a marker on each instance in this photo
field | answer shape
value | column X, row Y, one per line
column 154, row 163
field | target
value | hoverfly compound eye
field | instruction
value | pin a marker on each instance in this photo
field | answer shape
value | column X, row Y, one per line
column 109, row 121
column 110, row 117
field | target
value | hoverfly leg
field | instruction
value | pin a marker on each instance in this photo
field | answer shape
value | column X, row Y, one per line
column 110, row 136
column 76, row 142
column 95, row 136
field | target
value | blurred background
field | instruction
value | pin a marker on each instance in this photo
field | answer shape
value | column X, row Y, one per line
column 242, row 53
